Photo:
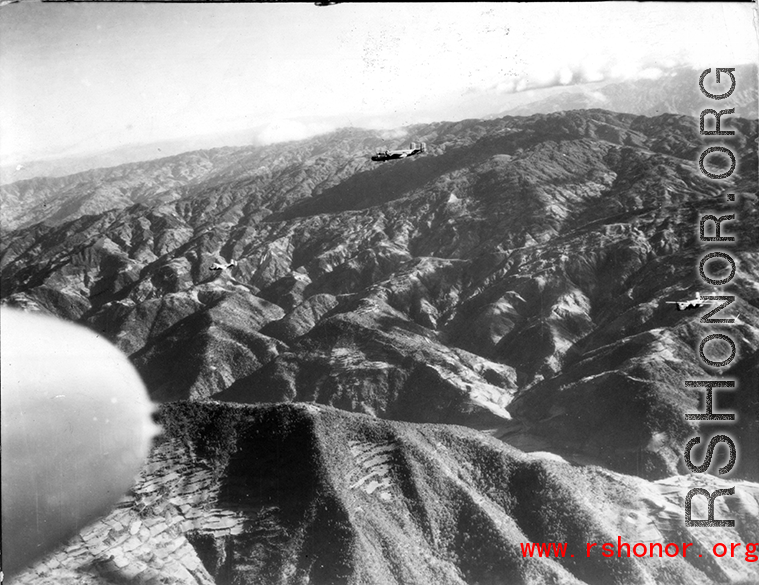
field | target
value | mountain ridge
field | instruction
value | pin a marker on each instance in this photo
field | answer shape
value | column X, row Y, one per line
column 349, row 498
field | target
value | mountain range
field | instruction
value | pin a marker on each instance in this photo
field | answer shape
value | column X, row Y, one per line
column 659, row 91
column 450, row 354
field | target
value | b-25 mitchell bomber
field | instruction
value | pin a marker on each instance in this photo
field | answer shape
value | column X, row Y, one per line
column 414, row 148
column 224, row 266
column 691, row 304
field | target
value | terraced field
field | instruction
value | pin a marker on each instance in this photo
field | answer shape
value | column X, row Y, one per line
column 375, row 467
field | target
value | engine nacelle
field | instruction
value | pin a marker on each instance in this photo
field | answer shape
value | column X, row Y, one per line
column 76, row 428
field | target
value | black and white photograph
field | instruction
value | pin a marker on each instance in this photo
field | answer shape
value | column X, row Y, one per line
column 340, row 293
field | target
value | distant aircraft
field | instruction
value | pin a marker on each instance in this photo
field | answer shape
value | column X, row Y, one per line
column 692, row 304
column 415, row 148
column 219, row 266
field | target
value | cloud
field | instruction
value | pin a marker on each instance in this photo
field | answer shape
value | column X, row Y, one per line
column 393, row 133
column 590, row 71
column 598, row 96
column 565, row 76
column 286, row 130
column 651, row 73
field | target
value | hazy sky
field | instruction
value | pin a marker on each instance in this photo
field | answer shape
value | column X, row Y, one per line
column 90, row 76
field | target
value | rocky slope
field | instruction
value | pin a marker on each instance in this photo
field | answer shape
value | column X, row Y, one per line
column 310, row 494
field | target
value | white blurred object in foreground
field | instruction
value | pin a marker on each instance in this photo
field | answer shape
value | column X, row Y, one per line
column 76, row 428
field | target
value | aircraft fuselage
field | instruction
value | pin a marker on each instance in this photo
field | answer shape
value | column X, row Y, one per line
column 384, row 155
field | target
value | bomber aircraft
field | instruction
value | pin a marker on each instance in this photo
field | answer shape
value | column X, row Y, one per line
column 220, row 266
column 691, row 304
column 415, row 148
